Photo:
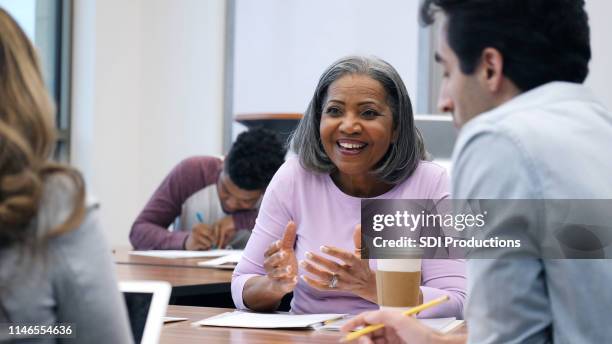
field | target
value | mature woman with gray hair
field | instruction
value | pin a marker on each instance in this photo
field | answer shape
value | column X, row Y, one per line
column 357, row 140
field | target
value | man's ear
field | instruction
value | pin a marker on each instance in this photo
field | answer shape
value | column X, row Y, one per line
column 492, row 67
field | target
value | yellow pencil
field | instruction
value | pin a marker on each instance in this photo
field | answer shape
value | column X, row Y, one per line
column 411, row 311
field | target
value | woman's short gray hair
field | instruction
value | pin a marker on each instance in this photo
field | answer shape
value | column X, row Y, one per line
column 403, row 155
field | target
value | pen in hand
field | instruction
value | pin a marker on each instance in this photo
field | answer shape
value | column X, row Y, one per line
column 200, row 218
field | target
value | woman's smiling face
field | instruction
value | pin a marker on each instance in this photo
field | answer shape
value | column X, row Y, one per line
column 356, row 124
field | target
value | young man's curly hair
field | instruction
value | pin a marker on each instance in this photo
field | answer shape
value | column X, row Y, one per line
column 254, row 158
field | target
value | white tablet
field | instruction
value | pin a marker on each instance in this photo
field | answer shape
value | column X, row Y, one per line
column 146, row 303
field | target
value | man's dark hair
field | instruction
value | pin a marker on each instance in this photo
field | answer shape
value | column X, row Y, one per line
column 540, row 40
column 254, row 158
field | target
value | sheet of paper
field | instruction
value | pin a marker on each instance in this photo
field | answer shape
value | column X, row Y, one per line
column 452, row 326
column 226, row 262
column 175, row 254
column 266, row 320
column 439, row 324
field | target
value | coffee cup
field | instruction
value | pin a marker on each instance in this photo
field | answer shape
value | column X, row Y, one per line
column 398, row 281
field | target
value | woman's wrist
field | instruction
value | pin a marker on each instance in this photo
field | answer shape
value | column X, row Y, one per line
column 261, row 294
column 369, row 293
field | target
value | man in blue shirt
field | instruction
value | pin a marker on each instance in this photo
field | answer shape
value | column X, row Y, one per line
column 513, row 71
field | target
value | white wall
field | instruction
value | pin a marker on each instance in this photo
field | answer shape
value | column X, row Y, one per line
column 282, row 47
column 147, row 92
column 600, row 77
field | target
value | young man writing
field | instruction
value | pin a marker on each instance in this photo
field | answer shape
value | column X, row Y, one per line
column 212, row 202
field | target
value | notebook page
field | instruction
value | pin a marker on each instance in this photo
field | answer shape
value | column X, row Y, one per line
column 175, row 254
column 267, row 320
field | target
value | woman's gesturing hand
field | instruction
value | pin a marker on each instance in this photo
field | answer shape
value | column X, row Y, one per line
column 353, row 274
column 280, row 262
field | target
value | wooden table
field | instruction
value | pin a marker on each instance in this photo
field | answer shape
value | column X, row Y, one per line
column 185, row 281
column 281, row 123
column 184, row 333
column 243, row 117
column 191, row 284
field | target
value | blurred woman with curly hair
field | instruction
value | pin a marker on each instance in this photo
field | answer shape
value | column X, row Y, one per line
column 54, row 264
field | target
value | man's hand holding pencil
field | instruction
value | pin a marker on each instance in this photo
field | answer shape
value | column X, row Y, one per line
column 396, row 327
